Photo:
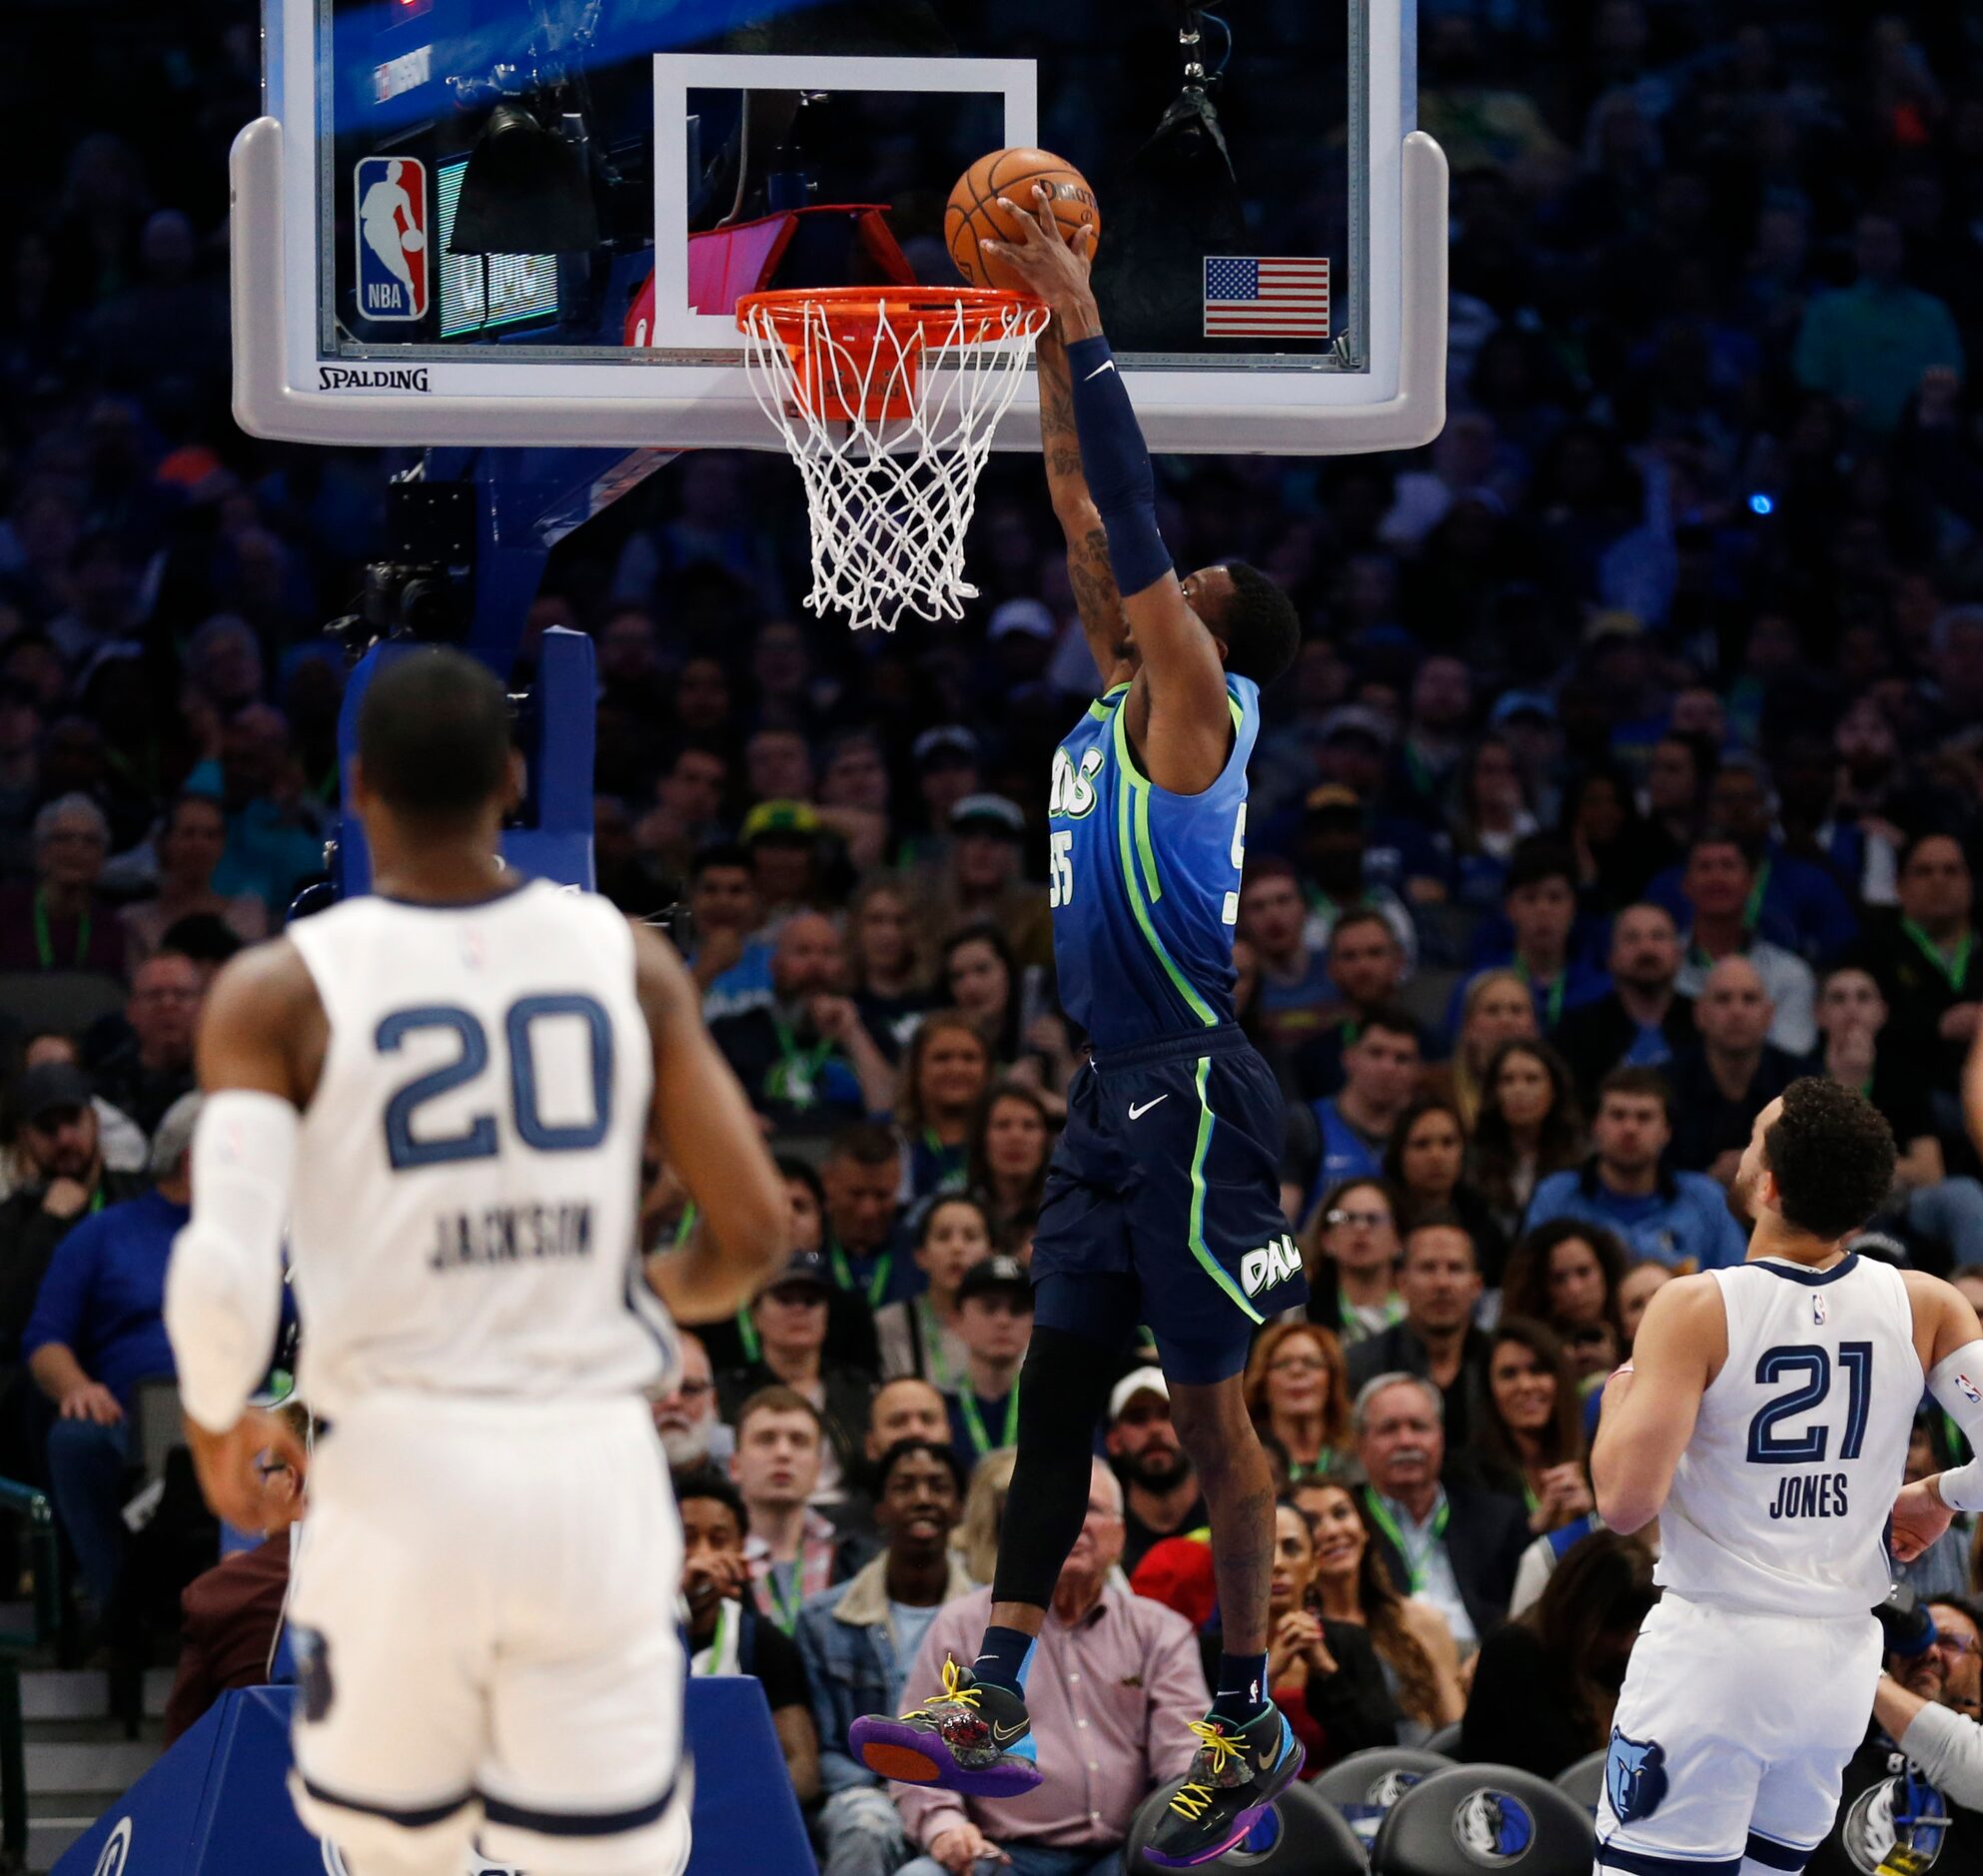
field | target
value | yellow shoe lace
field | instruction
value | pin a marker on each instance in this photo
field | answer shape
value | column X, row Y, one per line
column 1194, row 1798
column 952, row 1676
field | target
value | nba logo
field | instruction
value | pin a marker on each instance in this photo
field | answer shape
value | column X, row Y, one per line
column 1818, row 1311
column 391, row 195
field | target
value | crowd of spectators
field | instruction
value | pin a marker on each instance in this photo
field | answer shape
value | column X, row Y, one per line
column 1632, row 765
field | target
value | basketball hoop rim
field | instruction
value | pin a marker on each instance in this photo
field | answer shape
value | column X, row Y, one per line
column 935, row 313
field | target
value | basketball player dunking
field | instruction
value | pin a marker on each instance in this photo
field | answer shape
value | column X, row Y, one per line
column 1162, row 1203
column 1763, row 1419
column 445, row 1090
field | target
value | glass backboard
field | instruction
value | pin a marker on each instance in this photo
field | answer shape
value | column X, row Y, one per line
column 517, row 221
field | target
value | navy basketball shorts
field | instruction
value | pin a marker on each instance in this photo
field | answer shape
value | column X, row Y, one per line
column 1169, row 1175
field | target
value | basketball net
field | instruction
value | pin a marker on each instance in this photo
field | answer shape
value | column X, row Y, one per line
column 888, row 401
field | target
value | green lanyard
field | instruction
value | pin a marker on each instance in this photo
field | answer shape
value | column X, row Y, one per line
column 877, row 1283
column 930, row 1332
column 719, row 1640
column 1414, row 1561
column 974, row 1422
column 1954, row 969
column 1298, row 1471
column 44, row 944
column 792, row 1077
column 786, row 1604
column 1554, row 1005
column 1758, row 889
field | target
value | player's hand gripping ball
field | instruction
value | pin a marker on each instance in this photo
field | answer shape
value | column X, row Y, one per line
column 974, row 213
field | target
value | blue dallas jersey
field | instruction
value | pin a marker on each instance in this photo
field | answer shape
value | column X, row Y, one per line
column 1144, row 884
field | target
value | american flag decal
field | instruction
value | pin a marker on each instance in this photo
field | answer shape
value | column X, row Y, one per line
column 1262, row 299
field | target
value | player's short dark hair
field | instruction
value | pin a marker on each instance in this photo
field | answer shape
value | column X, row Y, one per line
column 1833, row 1154
column 704, row 1481
column 1537, row 857
column 433, row 736
column 1641, row 1082
column 907, row 1448
column 1261, row 629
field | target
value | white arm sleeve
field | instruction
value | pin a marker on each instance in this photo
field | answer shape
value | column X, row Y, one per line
column 1949, row 1748
column 1957, row 1385
column 224, row 1286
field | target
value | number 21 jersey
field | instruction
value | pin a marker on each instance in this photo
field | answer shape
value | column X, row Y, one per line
column 1144, row 883
column 1780, row 1501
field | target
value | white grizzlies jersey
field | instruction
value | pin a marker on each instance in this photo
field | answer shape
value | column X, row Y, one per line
column 467, row 1174
column 1780, row 1501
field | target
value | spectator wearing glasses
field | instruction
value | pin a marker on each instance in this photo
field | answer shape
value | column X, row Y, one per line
column 1114, row 1693
column 1534, row 1432
column 1440, row 1282
column 857, row 1642
column 1415, row 1646
column 1453, row 1544
column 1528, row 1126
column 1350, row 1252
column 1922, row 1757
column 62, row 922
column 1298, row 1394
column 1161, row 1497
column 1567, row 1274
column 691, row 1433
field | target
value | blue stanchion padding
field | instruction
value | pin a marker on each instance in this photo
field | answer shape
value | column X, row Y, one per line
column 216, row 1804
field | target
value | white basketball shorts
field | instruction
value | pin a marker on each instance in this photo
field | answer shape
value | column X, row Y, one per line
column 484, row 1619
column 1731, row 1740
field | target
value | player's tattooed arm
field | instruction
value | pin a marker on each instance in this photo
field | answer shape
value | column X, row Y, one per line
column 712, row 1138
column 1089, row 575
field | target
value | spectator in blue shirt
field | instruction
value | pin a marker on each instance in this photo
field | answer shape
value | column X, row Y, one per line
column 1344, row 1136
column 1540, row 900
column 1678, row 1218
column 97, row 1330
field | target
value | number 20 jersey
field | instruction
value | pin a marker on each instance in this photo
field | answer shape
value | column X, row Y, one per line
column 468, row 1173
column 1145, row 883
column 1780, row 1501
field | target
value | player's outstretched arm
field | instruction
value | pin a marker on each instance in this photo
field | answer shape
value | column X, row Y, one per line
column 712, row 1138
column 260, row 1034
column 1089, row 575
column 1190, row 725
column 1949, row 1340
column 1651, row 1404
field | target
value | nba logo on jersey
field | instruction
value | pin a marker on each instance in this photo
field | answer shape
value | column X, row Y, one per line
column 390, row 194
column 1818, row 1309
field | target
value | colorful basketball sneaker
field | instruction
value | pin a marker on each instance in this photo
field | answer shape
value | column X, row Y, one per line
column 1235, row 1775
column 974, row 1737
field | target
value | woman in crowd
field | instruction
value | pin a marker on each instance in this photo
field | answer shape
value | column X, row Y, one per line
column 945, row 1071
column 1297, row 1392
column 1545, row 1685
column 1351, row 1254
column 1535, row 1432
column 1528, row 1127
column 1414, row 1647
column 976, row 1537
column 1495, row 1008
column 1012, row 1139
column 1567, row 1274
column 1635, row 1288
column 1489, row 817
column 1616, row 852
column 1426, row 1164
column 189, row 843
column 890, row 975
column 918, row 1335
column 1324, row 1675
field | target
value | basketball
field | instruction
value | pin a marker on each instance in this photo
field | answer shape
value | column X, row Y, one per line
column 973, row 213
